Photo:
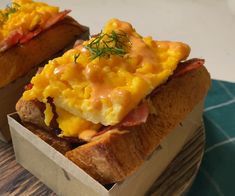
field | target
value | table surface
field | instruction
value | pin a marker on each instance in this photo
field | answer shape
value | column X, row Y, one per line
column 208, row 26
column 15, row 180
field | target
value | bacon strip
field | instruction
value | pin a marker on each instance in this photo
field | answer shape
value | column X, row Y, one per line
column 11, row 40
column 54, row 19
column 137, row 116
column 188, row 66
column 28, row 86
column 25, row 38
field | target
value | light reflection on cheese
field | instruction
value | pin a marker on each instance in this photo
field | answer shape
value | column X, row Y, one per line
column 103, row 90
column 25, row 16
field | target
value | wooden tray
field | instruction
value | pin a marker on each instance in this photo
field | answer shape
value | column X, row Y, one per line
column 176, row 180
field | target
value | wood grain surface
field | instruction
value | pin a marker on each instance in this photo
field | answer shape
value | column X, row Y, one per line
column 15, row 180
column 176, row 180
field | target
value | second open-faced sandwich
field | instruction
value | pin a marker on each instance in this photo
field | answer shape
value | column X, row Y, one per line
column 32, row 32
column 108, row 103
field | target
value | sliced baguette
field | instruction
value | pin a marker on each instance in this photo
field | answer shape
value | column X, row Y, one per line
column 116, row 154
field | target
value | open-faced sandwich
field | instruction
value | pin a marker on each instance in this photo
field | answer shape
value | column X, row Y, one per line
column 108, row 103
column 32, row 32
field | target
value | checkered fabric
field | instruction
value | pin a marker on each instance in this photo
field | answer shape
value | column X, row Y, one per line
column 217, row 172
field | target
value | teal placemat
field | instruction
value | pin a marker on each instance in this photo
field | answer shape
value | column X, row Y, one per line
column 217, row 172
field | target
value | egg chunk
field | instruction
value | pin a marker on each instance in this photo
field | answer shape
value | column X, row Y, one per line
column 103, row 79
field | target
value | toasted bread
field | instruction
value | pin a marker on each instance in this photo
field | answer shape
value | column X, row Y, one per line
column 117, row 153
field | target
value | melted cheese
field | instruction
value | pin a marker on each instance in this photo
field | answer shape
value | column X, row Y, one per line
column 103, row 90
column 49, row 114
column 26, row 16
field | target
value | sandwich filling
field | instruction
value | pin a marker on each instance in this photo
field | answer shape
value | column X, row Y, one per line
column 22, row 20
column 99, row 82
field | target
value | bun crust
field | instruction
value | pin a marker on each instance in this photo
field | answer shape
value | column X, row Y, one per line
column 19, row 59
column 116, row 154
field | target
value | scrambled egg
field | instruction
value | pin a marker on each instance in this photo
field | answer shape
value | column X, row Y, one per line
column 24, row 15
column 102, row 80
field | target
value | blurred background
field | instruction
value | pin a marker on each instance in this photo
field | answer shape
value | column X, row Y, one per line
column 208, row 26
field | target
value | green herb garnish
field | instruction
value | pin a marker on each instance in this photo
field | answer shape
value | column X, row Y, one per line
column 10, row 9
column 105, row 45
column 75, row 57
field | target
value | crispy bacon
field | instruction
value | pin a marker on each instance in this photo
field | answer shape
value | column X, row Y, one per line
column 28, row 86
column 56, row 18
column 25, row 38
column 188, row 66
column 137, row 116
column 11, row 40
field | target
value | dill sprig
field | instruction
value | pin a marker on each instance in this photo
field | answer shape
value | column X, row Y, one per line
column 105, row 45
column 75, row 57
column 10, row 9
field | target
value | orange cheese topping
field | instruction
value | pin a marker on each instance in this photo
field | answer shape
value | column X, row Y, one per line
column 103, row 83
